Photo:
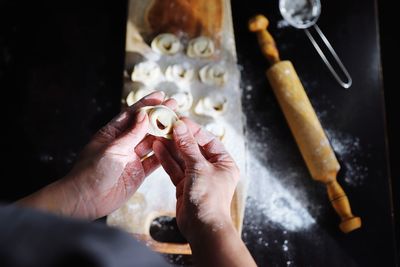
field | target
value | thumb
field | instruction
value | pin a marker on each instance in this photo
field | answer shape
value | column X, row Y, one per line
column 134, row 135
column 186, row 144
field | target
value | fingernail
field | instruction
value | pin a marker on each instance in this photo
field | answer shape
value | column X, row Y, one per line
column 150, row 96
column 140, row 116
column 180, row 127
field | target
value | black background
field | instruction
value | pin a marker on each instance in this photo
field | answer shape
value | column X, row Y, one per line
column 61, row 73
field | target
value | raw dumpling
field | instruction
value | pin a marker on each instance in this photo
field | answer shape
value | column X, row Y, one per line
column 136, row 94
column 213, row 105
column 216, row 129
column 201, row 47
column 166, row 44
column 184, row 100
column 161, row 120
column 213, row 74
column 146, row 72
column 179, row 73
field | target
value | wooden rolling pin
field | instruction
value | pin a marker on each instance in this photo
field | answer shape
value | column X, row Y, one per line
column 304, row 124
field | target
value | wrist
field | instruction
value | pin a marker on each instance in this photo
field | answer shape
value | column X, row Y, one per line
column 75, row 200
column 201, row 232
column 220, row 246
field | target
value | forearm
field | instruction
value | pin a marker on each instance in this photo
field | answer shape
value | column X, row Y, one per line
column 220, row 247
column 58, row 198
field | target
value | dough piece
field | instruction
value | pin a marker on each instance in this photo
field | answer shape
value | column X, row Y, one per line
column 166, row 44
column 213, row 74
column 161, row 120
column 184, row 99
column 179, row 73
column 137, row 94
column 201, row 47
column 216, row 129
column 212, row 106
column 146, row 72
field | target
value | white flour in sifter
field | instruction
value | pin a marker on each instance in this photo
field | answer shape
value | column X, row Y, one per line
column 299, row 11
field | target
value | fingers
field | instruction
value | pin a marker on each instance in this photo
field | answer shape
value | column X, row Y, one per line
column 171, row 103
column 155, row 98
column 213, row 148
column 150, row 164
column 179, row 188
column 145, row 146
column 130, row 138
column 187, row 145
column 123, row 120
column 171, row 167
column 173, row 151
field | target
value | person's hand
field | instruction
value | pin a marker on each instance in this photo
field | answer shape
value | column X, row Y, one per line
column 205, row 177
column 110, row 168
column 204, row 174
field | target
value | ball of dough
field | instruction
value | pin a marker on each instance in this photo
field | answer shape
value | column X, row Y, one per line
column 136, row 94
column 161, row 120
column 184, row 100
column 179, row 73
column 213, row 105
column 213, row 74
column 166, row 44
column 146, row 72
column 201, row 47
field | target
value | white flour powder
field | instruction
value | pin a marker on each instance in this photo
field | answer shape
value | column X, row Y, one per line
column 270, row 197
column 348, row 149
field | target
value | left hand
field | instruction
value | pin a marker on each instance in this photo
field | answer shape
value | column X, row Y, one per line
column 110, row 168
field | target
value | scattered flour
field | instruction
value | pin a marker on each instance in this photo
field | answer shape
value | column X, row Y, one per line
column 45, row 157
column 348, row 150
column 273, row 201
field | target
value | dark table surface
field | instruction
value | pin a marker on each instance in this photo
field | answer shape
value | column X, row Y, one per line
column 61, row 73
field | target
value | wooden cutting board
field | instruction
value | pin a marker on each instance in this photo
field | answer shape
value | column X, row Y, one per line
column 187, row 19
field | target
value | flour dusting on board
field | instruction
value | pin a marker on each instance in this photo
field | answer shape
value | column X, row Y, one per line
column 213, row 98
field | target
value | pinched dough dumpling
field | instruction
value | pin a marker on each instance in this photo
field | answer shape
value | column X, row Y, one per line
column 216, row 129
column 166, row 44
column 213, row 105
column 161, row 120
column 184, row 100
column 136, row 94
column 201, row 47
column 146, row 72
column 213, row 74
column 179, row 73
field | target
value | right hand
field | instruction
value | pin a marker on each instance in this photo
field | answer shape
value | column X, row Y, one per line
column 205, row 177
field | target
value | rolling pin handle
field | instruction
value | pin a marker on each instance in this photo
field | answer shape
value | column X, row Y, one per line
column 259, row 25
column 341, row 204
